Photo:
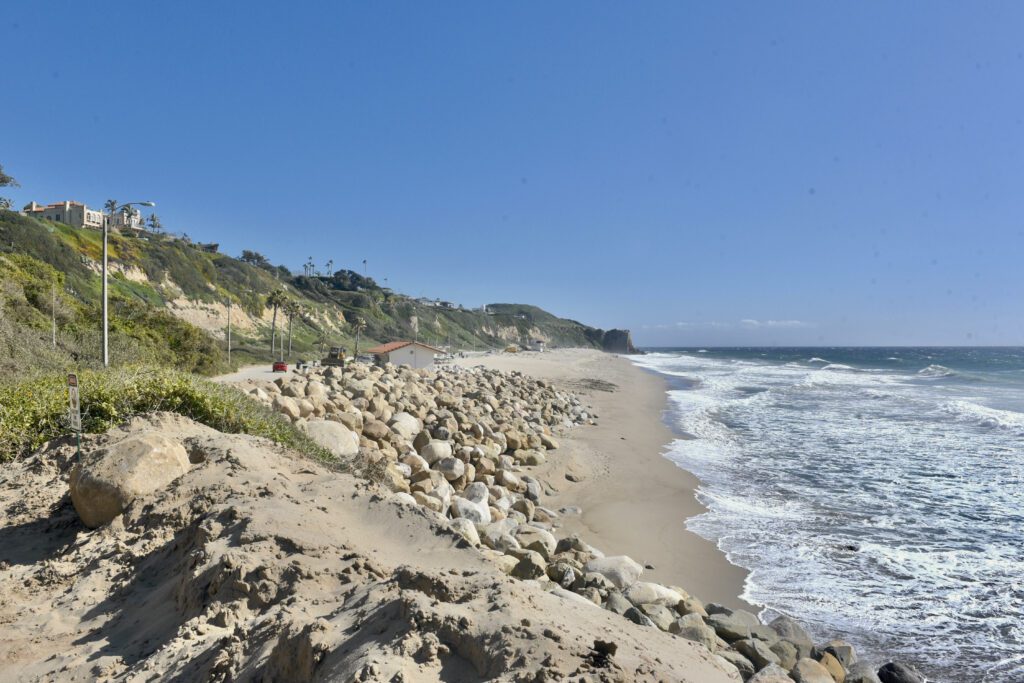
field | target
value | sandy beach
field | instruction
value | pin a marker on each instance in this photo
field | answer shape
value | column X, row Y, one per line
column 634, row 501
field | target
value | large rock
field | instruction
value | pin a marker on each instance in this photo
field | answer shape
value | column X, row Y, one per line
column 536, row 539
column 861, row 673
column 451, row 468
column 466, row 529
column 730, row 627
column 643, row 592
column 836, row 669
column 405, row 425
column 621, row 570
column 436, row 450
column 108, row 480
column 810, row 671
column 530, row 566
column 662, row 616
column 699, row 633
column 472, row 504
column 842, row 651
column 787, row 654
column 287, row 406
column 743, row 664
column 894, row 672
column 757, row 652
column 334, row 436
column 773, row 673
column 376, row 430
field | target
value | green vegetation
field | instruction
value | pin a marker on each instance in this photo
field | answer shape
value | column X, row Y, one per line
column 35, row 410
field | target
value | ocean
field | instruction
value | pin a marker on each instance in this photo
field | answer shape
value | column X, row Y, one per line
column 875, row 494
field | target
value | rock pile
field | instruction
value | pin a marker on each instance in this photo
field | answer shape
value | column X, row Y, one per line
column 461, row 443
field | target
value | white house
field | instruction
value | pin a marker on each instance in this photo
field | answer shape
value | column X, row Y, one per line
column 411, row 353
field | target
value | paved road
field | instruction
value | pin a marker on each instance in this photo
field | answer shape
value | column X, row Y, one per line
column 261, row 371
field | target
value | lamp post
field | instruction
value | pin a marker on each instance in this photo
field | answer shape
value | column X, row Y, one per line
column 106, row 230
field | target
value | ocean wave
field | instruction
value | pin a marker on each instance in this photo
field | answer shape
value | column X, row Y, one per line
column 936, row 371
column 838, row 366
column 818, row 360
column 983, row 416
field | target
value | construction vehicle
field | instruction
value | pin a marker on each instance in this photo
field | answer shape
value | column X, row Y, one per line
column 335, row 357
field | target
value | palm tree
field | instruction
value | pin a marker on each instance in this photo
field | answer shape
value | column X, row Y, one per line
column 359, row 325
column 276, row 299
column 292, row 309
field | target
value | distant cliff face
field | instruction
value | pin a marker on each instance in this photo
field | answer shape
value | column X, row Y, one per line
column 618, row 341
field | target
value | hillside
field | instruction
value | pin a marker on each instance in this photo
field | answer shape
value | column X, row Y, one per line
column 170, row 299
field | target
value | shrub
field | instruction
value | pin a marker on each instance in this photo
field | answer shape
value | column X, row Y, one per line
column 35, row 410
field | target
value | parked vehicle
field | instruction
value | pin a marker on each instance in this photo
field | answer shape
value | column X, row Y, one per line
column 280, row 366
column 335, row 357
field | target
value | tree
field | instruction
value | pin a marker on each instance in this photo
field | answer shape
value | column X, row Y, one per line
column 154, row 222
column 275, row 300
column 292, row 309
column 110, row 205
column 358, row 325
column 253, row 257
column 6, row 181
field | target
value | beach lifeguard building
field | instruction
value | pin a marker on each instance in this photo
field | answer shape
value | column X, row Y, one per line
column 411, row 353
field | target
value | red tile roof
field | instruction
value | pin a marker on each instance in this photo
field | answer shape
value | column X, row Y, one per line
column 395, row 345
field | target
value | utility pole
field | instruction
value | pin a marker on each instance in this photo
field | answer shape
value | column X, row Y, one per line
column 229, row 331
column 106, row 356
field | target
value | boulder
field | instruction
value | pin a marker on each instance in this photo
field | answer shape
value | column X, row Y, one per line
column 530, row 566
column 536, row 539
column 729, row 627
column 621, row 570
column 406, row 425
column 643, row 592
column 787, row 654
column 436, row 450
column 757, row 652
column 743, row 664
column 287, row 406
column 691, row 605
column 638, row 617
column 842, row 651
column 548, row 442
column 662, row 616
column 451, row 468
column 894, row 672
column 861, row 673
column 108, row 480
column 809, row 671
column 835, row 669
column 773, row 673
column 617, row 603
column 334, row 436
column 466, row 529
column 376, row 430
column 699, row 633
column 474, row 512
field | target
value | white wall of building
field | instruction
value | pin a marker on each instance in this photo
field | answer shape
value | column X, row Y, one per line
column 412, row 355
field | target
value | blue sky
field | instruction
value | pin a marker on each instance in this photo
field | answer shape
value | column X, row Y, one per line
column 712, row 173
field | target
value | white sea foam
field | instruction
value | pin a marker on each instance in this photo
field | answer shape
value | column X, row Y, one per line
column 818, row 360
column 935, row 371
column 992, row 418
column 866, row 504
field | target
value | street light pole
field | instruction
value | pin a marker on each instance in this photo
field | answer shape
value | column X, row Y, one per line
column 106, row 230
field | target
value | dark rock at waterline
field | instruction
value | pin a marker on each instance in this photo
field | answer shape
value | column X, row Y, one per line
column 894, row 672
column 841, row 650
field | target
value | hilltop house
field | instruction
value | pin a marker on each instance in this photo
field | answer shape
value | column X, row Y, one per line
column 127, row 219
column 75, row 214
column 411, row 353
